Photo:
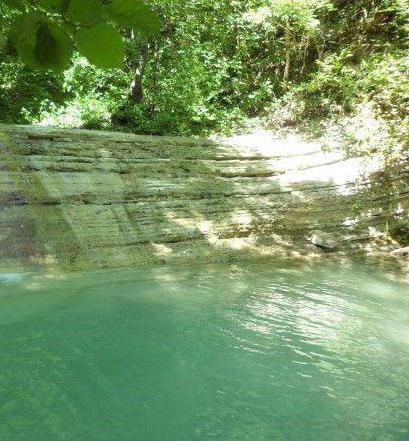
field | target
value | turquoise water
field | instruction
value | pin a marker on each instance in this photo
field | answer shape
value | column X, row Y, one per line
column 229, row 352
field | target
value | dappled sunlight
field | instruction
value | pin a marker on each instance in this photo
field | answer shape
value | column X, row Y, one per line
column 126, row 200
column 238, row 243
column 263, row 335
column 47, row 260
column 339, row 175
column 301, row 161
column 350, row 222
column 320, row 321
column 267, row 143
column 242, row 217
column 161, row 250
column 207, row 228
column 204, row 220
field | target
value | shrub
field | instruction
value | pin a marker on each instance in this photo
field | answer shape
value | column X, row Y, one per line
column 399, row 230
column 26, row 93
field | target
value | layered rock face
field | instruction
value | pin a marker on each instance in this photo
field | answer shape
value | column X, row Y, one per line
column 86, row 199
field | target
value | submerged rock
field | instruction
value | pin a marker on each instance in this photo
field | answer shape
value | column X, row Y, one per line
column 323, row 240
column 11, row 277
column 401, row 252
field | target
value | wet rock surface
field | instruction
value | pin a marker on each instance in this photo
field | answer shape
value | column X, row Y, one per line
column 323, row 240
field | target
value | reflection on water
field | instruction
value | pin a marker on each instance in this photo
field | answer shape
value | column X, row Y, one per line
column 238, row 352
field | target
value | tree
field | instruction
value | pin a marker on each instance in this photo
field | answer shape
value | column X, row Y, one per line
column 298, row 20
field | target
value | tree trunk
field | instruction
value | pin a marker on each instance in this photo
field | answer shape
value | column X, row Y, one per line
column 136, row 89
column 154, row 57
column 304, row 47
column 287, row 54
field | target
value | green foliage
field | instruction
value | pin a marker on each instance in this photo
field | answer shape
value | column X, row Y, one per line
column 25, row 93
column 52, row 48
column 88, row 13
column 212, row 65
column 340, row 87
column 132, row 14
column 45, row 31
column 332, row 87
column 101, row 44
column 387, row 84
column 399, row 230
column 93, row 96
column 301, row 14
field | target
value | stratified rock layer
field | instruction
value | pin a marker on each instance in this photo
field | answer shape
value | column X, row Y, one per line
column 77, row 198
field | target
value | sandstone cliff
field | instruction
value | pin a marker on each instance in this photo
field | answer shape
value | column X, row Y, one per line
column 76, row 198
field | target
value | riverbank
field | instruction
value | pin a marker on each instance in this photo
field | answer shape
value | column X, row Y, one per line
column 79, row 199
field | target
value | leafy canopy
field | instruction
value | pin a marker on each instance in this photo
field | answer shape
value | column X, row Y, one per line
column 46, row 32
column 292, row 13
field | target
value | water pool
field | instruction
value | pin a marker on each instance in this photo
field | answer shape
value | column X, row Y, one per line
column 224, row 352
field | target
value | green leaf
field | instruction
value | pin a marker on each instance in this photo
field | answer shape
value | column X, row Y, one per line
column 133, row 14
column 53, row 48
column 85, row 12
column 102, row 45
column 27, row 26
column 15, row 4
column 24, row 36
column 54, row 6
